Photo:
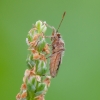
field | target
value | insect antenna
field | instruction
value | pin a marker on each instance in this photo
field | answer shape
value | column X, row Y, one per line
column 61, row 21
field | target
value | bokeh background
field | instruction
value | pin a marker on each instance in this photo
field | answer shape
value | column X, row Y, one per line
column 79, row 74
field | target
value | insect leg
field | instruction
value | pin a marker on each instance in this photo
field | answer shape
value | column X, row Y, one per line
column 48, row 36
column 49, row 44
column 48, row 57
column 49, row 26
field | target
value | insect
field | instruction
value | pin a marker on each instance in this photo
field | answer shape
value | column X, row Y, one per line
column 57, row 50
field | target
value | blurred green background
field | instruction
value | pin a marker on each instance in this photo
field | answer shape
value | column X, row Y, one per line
column 79, row 74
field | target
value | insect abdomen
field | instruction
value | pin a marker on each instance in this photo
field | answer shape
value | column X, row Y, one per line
column 55, row 62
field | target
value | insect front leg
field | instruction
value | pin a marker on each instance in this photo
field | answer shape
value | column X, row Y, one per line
column 48, row 25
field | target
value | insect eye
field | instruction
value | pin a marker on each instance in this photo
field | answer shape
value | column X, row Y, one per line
column 58, row 35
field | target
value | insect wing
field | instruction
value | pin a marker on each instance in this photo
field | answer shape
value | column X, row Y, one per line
column 55, row 61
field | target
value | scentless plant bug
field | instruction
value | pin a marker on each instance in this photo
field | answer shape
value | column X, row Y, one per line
column 57, row 49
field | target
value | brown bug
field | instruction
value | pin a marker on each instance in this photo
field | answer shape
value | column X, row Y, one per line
column 57, row 50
